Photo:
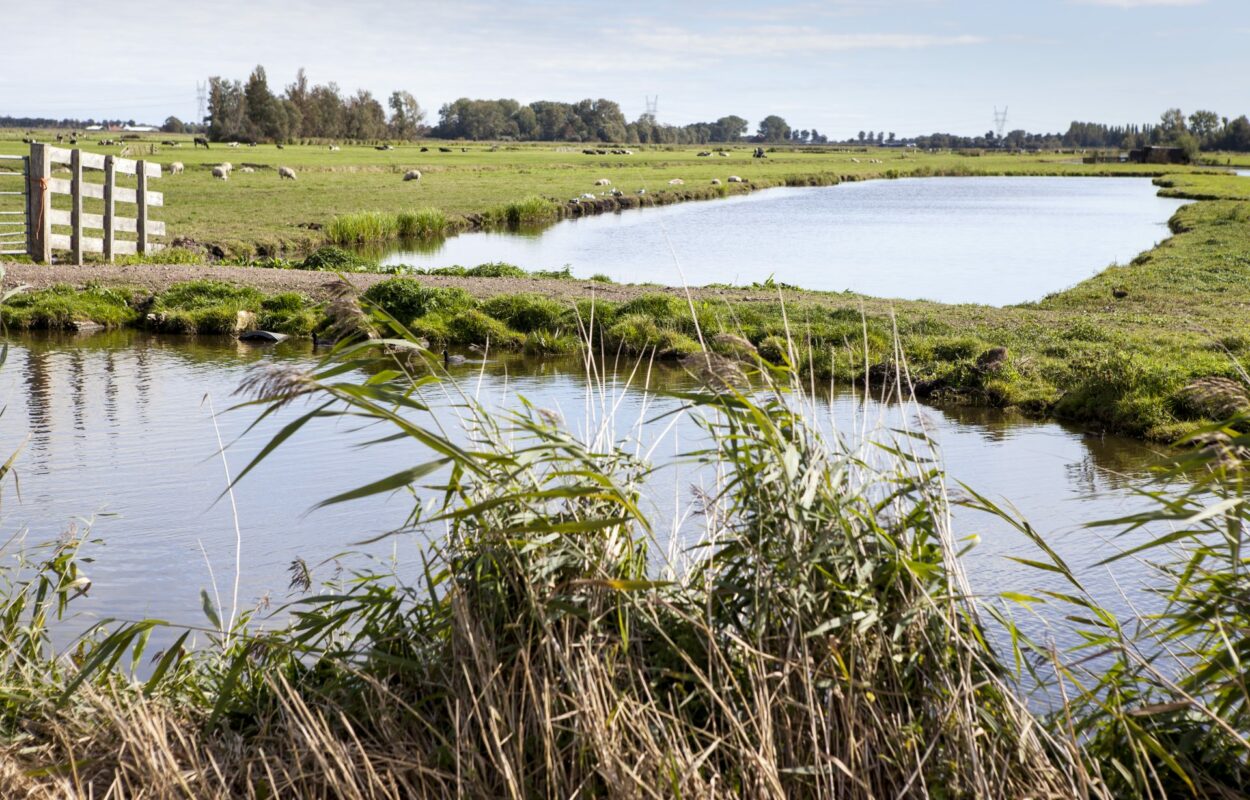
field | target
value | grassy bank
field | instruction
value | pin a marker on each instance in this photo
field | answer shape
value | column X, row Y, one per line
column 483, row 185
column 815, row 639
column 1115, row 352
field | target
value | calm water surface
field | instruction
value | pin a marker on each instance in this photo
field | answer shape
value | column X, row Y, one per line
column 960, row 240
column 121, row 438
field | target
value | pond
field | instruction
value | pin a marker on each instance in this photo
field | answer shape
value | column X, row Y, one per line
column 121, row 437
column 995, row 241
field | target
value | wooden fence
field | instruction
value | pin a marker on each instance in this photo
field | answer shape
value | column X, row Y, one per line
column 14, row 226
column 42, row 185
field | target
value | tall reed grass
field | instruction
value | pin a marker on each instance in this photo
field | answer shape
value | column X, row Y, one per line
column 818, row 639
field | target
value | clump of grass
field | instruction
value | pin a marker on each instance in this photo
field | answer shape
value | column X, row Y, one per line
column 168, row 255
column 361, row 227
column 423, row 223
column 216, row 307
column 329, row 258
column 406, row 299
column 62, row 307
column 531, row 211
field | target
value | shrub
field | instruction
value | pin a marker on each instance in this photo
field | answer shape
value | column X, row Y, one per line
column 424, row 223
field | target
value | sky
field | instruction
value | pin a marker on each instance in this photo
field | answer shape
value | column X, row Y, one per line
column 839, row 66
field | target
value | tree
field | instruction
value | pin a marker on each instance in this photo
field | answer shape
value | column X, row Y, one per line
column 173, row 125
column 265, row 116
column 364, row 117
column 1172, row 125
column 774, row 129
column 862, row 135
column 1204, row 124
column 729, row 129
column 406, row 115
column 890, row 137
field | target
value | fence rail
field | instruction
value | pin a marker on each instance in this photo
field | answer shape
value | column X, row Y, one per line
column 14, row 225
column 41, row 240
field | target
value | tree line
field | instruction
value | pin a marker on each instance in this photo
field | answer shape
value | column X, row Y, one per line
column 251, row 111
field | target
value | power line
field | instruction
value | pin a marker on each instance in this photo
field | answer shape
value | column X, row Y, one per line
column 653, row 106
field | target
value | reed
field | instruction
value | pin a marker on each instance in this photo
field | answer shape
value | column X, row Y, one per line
column 816, row 639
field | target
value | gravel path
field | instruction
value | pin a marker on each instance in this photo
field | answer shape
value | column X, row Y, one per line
column 157, row 277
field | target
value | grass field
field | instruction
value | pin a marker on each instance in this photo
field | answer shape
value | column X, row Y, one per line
column 258, row 213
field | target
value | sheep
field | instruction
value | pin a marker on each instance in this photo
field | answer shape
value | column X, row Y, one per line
column 425, row 149
column 286, row 172
column 735, row 179
column 641, row 191
column 226, row 165
column 248, row 170
column 722, row 154
column 334, row 148
column 444, row 149
column 412, row 175
column 588, row 196
column 716, row 181
column 232, row 144
column 854, row 160
column 603, row 182
column 222, row 174
column 279, row 145
column 676, row 182
column 175, row 168
column 616, row 192
column 704, row 154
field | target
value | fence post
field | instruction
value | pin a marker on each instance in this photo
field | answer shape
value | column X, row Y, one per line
column 75, row 209
column 40, row 203
column 141, row 209
column 110, row 175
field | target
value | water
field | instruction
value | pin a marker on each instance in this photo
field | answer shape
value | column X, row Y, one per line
column 120, row 433
column 959, row 240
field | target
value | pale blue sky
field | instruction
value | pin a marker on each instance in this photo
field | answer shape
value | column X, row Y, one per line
column 910, row 66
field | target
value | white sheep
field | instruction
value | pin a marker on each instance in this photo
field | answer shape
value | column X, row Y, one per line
column 223, row 174
column 176, row 168
column 227, row 166
column 412, row 175
column 247, row 170
column 735, row 179
column 676, row 182
column 603, row 182
column 334, row 148
column 588, row 196
column 232, row 144
column 286, row 172
column 716, row 181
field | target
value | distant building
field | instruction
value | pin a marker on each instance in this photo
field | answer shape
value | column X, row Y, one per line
column 139, row 128
column 1159, row 155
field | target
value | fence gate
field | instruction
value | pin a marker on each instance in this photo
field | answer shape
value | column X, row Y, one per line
column 14, row 210
column 41, row 216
